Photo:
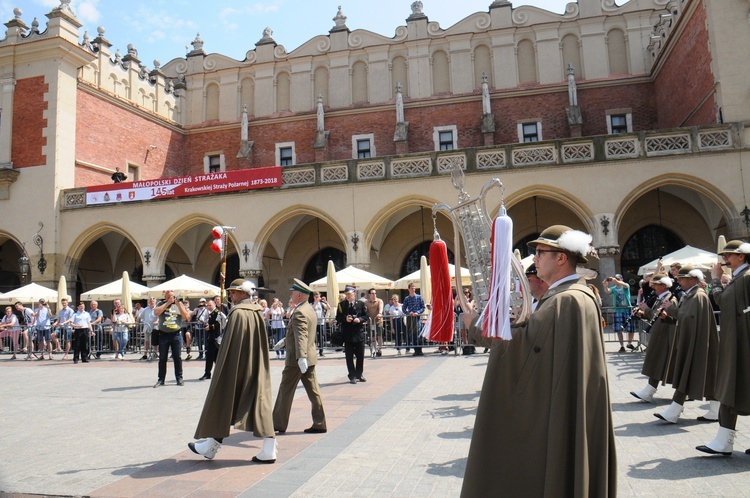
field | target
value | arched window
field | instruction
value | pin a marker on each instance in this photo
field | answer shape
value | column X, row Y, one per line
column 411, row 261
column 482, row 65
column 617, row 52
column 247, row 95
column 441, row 82
column 212, row 102
column 320, row 85
column 526, row 55
column 359, row 82
column 399, row 74
column 523, row 247
column 647, row 244
column 571, row 54
column 317, row 267
column 283, row 92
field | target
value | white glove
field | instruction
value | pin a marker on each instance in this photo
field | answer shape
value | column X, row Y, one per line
column 279, row 344
column 302, row 362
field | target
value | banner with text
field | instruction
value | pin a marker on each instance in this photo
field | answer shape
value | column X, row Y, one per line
column 184, row 186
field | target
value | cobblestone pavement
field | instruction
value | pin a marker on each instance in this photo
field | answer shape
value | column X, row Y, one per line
column 101, row 429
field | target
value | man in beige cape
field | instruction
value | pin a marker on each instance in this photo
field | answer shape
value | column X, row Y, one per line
column 544, row 423
column 240, row 392
column 301, row 358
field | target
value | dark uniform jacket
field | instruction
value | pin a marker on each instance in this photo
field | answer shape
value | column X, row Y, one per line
column 353, row 332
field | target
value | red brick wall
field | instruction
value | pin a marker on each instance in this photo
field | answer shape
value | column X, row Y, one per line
column 550, row 107
column 28, row 122
column 110, row 136
column 686, row 77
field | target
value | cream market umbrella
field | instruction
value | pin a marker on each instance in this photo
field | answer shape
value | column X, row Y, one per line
column 688, row 255
column 185, row 286
column 127, row 299
column 352, row 275
column 30, row 293
column 332, row 289
column 62, row 291
column 413, row 278
column 113, row 290
column 425, row 286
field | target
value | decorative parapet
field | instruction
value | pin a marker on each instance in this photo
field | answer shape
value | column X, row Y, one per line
column 8, row 175
column 578, row 152
column 445, row 163
column 298, row 177
column 674, row 143
column 491, row 159
column 411, row 167
column 532, row 156
column 74, row 198
column 334, row 173
column 622, row 148
column 371, row 171
column 714, row 139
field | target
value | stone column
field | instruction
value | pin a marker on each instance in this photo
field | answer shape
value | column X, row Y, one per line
column 356, row 252
column 251, row 275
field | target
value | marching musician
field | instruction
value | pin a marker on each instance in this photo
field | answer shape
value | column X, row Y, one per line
column 693, row 359
column 733, row 378
column 544, row 423
column 662, row 319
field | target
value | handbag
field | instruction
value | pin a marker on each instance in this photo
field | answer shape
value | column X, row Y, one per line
column 337, row 338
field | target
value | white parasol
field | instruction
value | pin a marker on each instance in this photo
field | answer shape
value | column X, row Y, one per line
column 127, row 299
column 351, row 275
column 30, row 293
column 113, row 290
column 332, row 289
column 425, row 286
column 185, row 286
column 414, row 278
column 62, row 292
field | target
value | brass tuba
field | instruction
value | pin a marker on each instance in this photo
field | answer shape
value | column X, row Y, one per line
column 472, row 222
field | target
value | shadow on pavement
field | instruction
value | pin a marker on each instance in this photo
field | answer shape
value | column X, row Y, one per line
column 465, row 434
column 689, row 468
column 453, row 468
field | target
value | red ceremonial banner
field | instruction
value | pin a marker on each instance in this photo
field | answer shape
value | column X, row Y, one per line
column 185, row 186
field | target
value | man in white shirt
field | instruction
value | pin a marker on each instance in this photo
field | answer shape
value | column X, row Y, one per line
column 81, row 323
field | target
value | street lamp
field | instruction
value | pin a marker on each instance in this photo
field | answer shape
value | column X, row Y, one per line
column 23, row 264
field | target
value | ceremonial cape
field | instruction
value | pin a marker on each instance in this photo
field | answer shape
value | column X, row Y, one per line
column 733, row 380
column 660, row 342
column 544, row 423
column 240, row 392
column 696, row 348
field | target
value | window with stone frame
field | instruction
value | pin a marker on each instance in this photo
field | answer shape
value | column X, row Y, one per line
column 619, row 121
column 285, row 154
column 363, row 146
column 445, row 137
column 213, row 162
column 530, row 131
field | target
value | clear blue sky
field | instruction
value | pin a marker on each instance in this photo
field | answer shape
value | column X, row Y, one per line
column 161, row 29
